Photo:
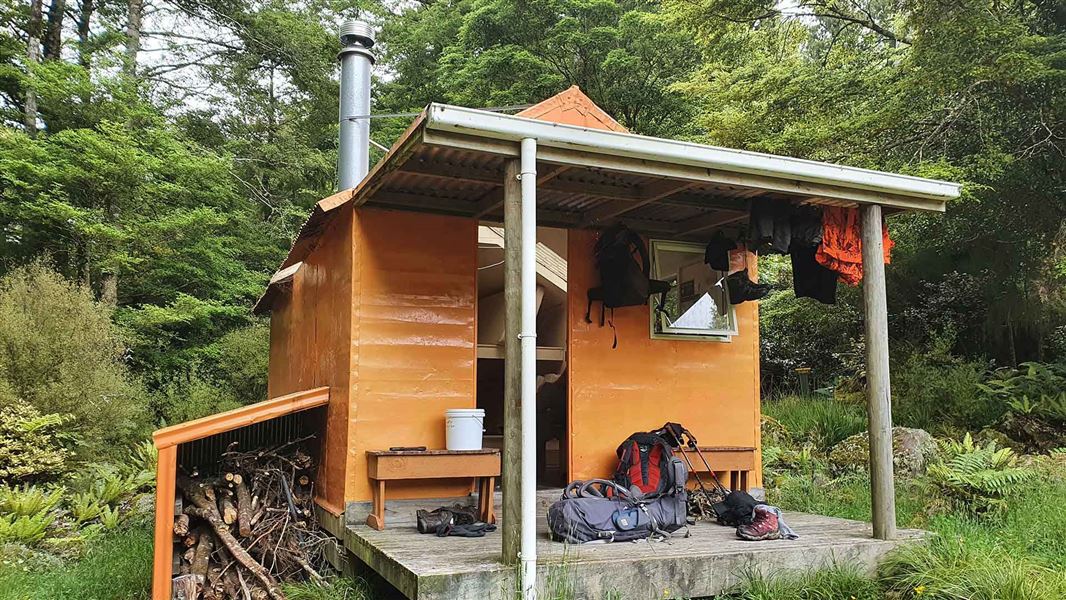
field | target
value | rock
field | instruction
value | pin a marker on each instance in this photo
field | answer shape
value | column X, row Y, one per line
column 1032, row 433
column 912, row 449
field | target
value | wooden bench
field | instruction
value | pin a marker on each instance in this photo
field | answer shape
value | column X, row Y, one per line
column 390, row 465
column 738, row 462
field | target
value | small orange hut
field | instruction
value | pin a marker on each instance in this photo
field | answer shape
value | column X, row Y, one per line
column 400, row 313
column 393, row 294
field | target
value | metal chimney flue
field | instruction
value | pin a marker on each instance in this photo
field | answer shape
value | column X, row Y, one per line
column 357, row 38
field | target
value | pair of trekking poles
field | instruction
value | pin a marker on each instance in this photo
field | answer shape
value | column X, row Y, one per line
column 679, row 437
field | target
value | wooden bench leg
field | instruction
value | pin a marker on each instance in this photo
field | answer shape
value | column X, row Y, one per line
column 376, row 519
column 486, row 495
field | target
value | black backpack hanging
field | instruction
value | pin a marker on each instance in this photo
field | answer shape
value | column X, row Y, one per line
column 624, row 281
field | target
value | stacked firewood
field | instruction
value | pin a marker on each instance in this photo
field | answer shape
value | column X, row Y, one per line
column 242, row 532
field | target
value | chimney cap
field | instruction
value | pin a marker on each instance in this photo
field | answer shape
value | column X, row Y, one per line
column 356, row 31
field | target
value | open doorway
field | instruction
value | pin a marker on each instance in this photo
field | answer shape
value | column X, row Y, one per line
column 551, row 347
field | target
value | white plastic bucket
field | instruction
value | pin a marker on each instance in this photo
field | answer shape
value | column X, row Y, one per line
column 465, row 427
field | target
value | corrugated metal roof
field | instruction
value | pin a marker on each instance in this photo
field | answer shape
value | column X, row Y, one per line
column 451, row 160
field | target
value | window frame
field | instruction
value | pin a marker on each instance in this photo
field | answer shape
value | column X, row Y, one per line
column 681, row 333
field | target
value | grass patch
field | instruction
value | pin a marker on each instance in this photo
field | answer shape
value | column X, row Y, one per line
column 848, row 497
column 958, row 568
column 839, row 581
column 821, row 421
column 1017, row 555
column 339, row 588
column 117, row 566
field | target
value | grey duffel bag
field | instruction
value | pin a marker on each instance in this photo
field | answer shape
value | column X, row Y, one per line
column 600, row 510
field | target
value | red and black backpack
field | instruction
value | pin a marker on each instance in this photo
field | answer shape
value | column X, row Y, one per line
column 646, row 462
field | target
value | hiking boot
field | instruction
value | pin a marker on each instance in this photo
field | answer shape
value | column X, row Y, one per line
column 433, row 522
column 762, row 527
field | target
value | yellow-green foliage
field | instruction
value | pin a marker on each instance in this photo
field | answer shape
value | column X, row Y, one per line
column 31, row 444
column 60, row 353
column 110, row 517
column 978, row 478
column 85, row 507
column 111, row 485
column 143, row 457
column 28, row 500
column 23, row 529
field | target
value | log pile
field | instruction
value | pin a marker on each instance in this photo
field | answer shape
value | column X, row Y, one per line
column 244, row 531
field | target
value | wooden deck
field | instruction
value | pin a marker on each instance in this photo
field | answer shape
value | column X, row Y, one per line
column 708, row 562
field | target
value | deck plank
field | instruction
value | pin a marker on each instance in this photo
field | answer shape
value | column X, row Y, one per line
column 708, row 562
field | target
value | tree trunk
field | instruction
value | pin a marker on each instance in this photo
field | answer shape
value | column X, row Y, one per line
column 85, row 15
column 53, row 35
column 109, row 289
column 109, row 279
column 135, row 10
column 33, row 56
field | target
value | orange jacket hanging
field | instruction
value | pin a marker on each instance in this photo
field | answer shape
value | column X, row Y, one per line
column 841, row 247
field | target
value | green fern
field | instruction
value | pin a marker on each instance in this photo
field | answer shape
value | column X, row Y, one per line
column 142, row 460
column 979, row 478
column 110, row 518
column 85, row 507
column 28, row 500
column 111, row 485
column 25, row 529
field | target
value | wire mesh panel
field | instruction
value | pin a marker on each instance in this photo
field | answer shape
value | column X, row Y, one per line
column 203, row 455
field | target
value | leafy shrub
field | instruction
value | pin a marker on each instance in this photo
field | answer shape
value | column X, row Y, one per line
column 979, row 478
column 940, row 393
column 28, row 501
column 31, row 444
column 143, row 458
column 1032, row 380
column 801, row 332
column 192, row 398
column 821, row 421
column 239, row 361
column 25, row 529
column 60, row 354
column 1036, row 389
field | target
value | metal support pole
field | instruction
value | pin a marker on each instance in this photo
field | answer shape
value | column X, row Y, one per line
column 878, row 393
column 529, row 369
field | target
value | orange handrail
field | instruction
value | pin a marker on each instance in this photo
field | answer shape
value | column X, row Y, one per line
column 167, row 441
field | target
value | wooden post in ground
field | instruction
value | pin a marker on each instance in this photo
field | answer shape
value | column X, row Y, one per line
column 878, row 394
column 511, row 475
column 166, row 467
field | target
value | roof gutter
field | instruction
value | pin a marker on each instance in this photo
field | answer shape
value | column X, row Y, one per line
column 458, row 119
